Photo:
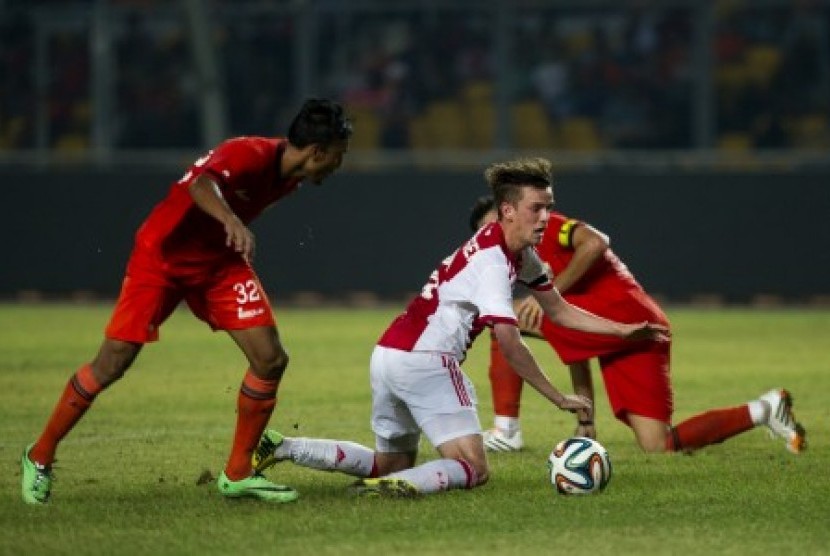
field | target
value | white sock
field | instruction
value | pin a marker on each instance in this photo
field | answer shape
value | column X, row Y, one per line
column 758, row 412
column 439, row 475
column 508, row 425
column 344, row 456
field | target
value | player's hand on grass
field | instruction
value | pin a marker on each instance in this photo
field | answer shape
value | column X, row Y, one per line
column 240, row 238
column 646, row 331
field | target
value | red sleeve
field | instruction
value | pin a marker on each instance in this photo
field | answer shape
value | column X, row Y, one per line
column 236, row 161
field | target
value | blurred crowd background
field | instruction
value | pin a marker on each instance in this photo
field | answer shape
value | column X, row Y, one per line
column 574, row 75
column 688, row 130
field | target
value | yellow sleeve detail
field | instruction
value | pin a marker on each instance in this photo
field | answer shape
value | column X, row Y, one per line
column 565, row 233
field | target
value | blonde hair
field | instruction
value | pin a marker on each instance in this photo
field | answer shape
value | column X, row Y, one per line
column 507, row 178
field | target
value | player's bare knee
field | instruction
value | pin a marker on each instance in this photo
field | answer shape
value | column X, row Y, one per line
column 652, row 444
column 652, row 439
column 278, row 363
column 270, row 366
column 651, row 434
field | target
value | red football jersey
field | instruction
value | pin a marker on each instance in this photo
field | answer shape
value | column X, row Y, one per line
column 608, row 289
column 247, row 171
column 607, row 277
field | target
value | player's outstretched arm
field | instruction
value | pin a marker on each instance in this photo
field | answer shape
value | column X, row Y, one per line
column 525, row 365
column 564, row 314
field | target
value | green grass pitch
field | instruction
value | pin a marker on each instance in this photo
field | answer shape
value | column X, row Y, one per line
column 128, row 475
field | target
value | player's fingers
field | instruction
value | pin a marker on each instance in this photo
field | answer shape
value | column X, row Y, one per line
column 578, row 403
column 526, row 306
column 662, row 333
column 526, row 316
column 233, row 238
column 654, row 331
column 231, row 234
column 574, row 406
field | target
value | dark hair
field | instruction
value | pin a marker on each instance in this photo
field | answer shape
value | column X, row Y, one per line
column 482, row 206
column 320, row 121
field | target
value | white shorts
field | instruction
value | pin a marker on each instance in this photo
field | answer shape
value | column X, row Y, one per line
column 419, row 391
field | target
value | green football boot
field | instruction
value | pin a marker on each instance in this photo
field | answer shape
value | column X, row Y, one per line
column 37, row 480
column 255, row 486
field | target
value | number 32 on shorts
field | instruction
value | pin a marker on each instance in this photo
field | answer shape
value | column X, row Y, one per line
column 246, row 292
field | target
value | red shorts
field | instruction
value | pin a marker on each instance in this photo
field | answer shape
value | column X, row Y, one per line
column 226, row 294
column 639, row 381
column 636, row 375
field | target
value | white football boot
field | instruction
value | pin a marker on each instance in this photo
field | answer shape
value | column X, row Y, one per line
column 781, row 421
column 496, row 440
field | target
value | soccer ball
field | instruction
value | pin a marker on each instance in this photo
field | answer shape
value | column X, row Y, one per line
column 579, row 465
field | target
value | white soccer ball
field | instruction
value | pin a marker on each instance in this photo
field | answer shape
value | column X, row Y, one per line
column 579, row 465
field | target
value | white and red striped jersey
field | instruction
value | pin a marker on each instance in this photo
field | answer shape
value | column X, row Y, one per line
column 470, row 290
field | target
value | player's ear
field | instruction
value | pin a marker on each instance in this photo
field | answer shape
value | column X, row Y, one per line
column 318, row 151
column 310, row 152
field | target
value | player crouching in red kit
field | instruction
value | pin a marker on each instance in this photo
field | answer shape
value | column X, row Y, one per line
column 196, row 246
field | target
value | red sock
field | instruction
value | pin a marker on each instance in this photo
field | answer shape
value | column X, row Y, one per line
column 255, row 403
column 78, row 395
column 711, row 427
column 505, row 383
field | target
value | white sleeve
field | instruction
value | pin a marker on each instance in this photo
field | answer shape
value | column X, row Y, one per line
column 533, row 272
column 494, row 296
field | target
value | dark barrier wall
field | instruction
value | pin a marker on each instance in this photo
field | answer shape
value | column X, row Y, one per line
column 682, row 234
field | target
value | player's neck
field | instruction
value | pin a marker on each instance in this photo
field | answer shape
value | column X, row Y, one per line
column 512, row 239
